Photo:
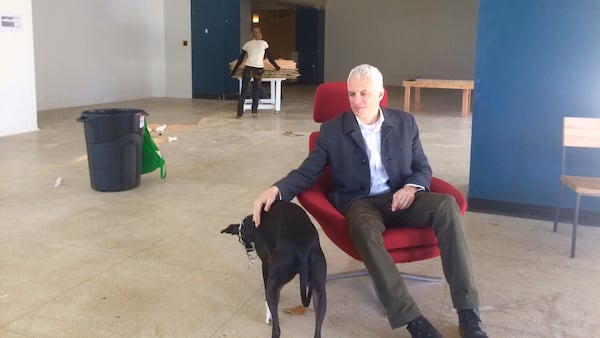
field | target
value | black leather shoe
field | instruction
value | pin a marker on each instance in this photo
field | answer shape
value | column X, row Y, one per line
column 422, row 328
column 469, row 324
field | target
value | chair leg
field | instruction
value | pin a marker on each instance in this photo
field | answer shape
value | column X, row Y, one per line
column 575, row 221
column 560, row 189
column 364, row 272
column 348, row 274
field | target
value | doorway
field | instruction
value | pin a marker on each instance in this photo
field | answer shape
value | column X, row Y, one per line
column 218, row 31
column 295, row 33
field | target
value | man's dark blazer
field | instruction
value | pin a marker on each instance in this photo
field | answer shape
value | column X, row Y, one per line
column 340, row 144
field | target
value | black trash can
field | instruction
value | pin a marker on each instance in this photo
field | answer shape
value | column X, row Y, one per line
column 114, row 141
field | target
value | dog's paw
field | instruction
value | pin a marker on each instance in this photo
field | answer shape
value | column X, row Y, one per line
column 268, row 317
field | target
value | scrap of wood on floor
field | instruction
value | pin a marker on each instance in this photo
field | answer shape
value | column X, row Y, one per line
column 297, row 310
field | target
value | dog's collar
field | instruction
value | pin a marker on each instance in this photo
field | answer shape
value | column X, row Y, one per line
column 249, row 246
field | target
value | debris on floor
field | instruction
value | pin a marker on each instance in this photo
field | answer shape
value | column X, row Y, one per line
column 81, row 159
column 163, row 135
column 161, row 129
column 58, row 182
column 291, row 134
column 298, row 310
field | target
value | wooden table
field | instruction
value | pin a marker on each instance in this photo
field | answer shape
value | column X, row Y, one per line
column 466, row 86
column 274, row 102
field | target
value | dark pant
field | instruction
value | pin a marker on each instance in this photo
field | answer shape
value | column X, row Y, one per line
column 256, row 75
column 368, row 218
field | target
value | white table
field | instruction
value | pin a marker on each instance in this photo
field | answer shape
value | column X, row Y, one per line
column 272, row 103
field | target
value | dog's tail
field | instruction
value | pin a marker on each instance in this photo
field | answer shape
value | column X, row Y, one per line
column 305, row 288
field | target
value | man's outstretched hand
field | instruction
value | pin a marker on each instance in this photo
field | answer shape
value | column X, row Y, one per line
column 265, row 199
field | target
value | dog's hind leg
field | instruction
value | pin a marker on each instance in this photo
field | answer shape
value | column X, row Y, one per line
column 318, row 281
column 272, row 295
column 281, row 271
column 265, row 272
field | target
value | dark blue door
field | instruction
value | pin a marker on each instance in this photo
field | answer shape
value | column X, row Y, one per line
column 310, row 44
column 215, row 42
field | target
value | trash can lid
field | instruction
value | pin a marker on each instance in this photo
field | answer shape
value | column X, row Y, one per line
column 113, row 111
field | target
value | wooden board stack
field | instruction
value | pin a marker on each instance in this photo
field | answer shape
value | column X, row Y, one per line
column 288, row 69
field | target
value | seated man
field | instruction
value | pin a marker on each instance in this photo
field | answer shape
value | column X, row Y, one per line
column 380, row 176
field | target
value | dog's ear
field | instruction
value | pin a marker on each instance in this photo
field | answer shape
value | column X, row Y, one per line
column 231, row 229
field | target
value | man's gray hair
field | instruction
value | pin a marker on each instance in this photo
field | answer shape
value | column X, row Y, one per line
column 369, row 71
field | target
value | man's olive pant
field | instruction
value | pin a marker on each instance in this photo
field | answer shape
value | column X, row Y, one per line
column 368, row 218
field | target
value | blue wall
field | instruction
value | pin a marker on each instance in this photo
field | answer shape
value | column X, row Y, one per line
column 536, row 61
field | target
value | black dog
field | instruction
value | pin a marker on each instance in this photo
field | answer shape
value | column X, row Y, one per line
column 288, row 244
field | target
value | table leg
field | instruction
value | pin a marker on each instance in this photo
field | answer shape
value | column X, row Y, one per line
column 277, row 96
column 470, row 101
column 406, row 98
column 466, row 102
column 246, row 104
column 273, row 98
column 417, row 98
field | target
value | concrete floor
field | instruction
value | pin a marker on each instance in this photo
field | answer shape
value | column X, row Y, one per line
column 150, row 262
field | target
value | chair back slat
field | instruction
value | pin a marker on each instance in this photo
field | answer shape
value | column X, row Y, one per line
column 581, row 132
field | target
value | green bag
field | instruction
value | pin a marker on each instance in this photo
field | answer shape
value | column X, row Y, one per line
column 151, row 157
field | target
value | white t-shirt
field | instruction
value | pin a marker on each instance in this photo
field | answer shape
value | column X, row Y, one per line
column 256, row 52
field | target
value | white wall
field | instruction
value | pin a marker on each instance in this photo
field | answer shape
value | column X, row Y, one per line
column 178, row 58
column 17, row 76
column 403, row 38
column 96, row 51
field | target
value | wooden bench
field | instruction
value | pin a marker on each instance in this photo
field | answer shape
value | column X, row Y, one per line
column 466, row 86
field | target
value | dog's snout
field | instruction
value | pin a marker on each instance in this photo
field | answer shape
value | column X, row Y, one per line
column 231, row 229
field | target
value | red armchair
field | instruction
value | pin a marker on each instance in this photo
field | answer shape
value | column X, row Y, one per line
column 403, row 244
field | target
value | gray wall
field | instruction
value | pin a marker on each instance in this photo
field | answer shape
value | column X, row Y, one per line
column 245, row 21
column 96, row 51
column 178, row 58
column 139, row 52
column 403, row 38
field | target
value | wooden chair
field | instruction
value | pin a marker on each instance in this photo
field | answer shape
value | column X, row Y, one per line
column 578, row 132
